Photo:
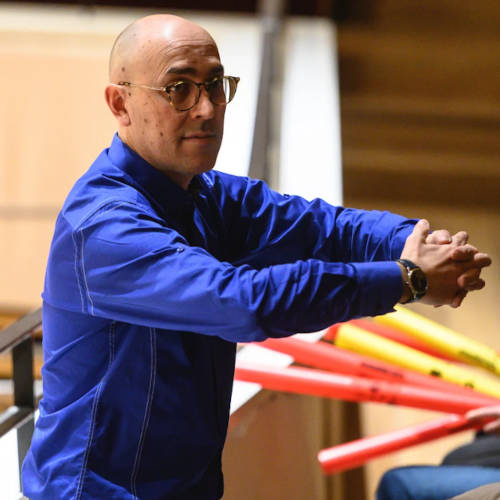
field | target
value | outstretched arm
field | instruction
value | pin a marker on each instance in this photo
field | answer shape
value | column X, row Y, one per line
column 128, row 266
column 274, row 228
column 267, row 227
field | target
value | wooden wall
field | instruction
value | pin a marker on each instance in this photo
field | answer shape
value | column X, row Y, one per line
column 420, row 100
column 420, row 89
column 53, row 124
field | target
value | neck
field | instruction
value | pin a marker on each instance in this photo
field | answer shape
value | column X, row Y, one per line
column 182, row 180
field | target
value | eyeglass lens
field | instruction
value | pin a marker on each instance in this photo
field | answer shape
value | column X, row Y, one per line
column 184, row 95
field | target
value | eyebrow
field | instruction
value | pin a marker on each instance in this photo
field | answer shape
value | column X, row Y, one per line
column 189, row 70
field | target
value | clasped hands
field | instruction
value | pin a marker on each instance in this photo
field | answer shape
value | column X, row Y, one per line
column 452, row 266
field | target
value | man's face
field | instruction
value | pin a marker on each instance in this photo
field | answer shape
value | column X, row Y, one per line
column 179, row 143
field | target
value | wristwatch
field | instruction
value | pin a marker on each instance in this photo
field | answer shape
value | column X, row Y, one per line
column 416, row 280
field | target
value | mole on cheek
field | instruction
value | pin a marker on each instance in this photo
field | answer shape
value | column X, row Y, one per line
column 161, row 133
column 129, row 93
column 146, row 120
column 123, row 68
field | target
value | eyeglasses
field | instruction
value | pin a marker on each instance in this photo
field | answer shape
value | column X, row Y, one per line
column 185, row 94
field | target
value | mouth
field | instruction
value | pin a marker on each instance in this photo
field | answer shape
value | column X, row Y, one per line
column 200, row 136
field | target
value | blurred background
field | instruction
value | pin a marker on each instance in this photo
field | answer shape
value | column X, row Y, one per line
column 418, row 103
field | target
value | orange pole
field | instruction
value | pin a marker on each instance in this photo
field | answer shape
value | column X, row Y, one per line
column 328, row 357
column 350, row 388
column 356, row 453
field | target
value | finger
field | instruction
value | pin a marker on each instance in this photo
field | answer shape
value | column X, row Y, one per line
column 421, row 230
column 439, row 237
column 475, row 285
column 482, row 259
column 458, row 299
column 460, row 238
column 468, row 277
column 463, row 253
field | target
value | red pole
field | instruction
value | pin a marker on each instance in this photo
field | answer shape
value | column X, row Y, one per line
column 324, row 384
column 356, row 453
column 327, row 357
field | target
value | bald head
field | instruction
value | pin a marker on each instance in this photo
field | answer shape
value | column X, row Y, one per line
column 152, row 54
column 137, row 43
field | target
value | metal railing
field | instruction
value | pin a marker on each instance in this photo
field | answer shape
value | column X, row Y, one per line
column 268, row 109
column 18, row 339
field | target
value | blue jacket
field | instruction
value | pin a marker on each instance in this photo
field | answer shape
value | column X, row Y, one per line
column 148, row 289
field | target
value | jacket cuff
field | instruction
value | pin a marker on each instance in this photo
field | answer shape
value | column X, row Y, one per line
column 380, row 286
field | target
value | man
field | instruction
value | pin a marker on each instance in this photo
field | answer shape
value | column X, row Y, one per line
column 159, row 266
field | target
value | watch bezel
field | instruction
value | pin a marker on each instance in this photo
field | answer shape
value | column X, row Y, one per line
column 414, row 273
column 418, row 288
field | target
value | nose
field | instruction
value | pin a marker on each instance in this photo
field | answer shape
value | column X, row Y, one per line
column 204, row 108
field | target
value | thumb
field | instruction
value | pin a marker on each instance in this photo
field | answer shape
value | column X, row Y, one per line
column 421, row 230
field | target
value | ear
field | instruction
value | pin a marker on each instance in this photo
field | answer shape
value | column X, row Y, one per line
column 115, row 98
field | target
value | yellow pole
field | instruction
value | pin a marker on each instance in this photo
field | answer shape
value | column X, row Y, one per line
column 356, row 339
column 443, row 339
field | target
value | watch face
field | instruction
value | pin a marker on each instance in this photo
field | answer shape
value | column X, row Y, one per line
column 418, row 281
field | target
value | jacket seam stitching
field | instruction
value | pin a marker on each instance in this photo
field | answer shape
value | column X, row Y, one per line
column 85, row 276
column 93, row 211
column 89, row 217
column 75, row 252
column 97, row 212
column 147, row 413
column 90, row 438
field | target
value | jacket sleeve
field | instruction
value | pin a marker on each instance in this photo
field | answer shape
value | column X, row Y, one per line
column 128, row 266
column 268, row 227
